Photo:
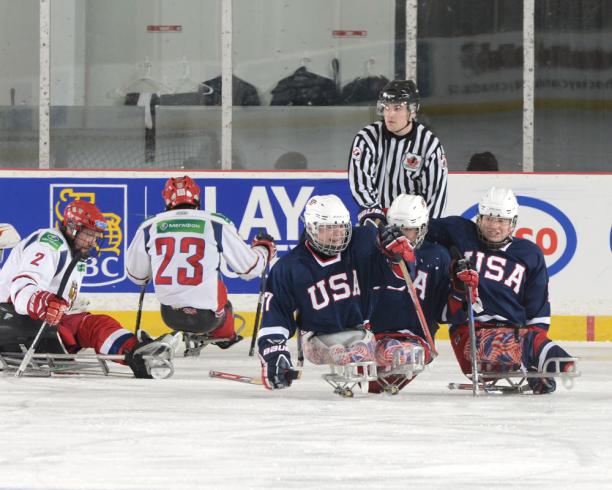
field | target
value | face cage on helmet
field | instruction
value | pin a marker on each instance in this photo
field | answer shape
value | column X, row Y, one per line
column 420, row 235
column 312, row 230
column 413, row 107
column 495, row 245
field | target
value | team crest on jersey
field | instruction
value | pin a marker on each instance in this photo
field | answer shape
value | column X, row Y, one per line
column 108, row 266
column 411, row 162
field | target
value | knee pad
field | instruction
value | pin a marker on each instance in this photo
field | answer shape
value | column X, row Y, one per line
column 340, row 348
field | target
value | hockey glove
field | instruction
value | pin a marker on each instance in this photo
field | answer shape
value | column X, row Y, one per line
column 462, row 276
column 262, row 239
column 47, row 307
column 276, row 367
column 372, row 217
column 395, row 245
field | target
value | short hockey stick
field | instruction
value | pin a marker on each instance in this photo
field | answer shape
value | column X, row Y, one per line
column 143, row 290
column 417, row 306
column 27, row 358
column 258, row 313
column 235, row 377
column 472, row 328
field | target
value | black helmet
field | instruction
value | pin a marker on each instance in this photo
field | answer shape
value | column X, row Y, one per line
column 398, row 92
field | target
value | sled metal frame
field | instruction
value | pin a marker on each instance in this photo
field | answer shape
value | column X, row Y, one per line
column 194, row 343
column 516, row 381
column 343, row 379
column 47, row 365
column 402, row 371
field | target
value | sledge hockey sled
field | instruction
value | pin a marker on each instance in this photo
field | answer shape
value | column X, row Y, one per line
column 515, row 382
column 158, row 364
column 194, row 343
column 392, row 377
column 343, row 379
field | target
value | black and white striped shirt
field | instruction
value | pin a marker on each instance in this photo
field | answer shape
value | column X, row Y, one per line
column 383, row 165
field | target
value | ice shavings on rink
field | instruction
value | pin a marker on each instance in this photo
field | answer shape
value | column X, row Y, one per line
column 194, row 432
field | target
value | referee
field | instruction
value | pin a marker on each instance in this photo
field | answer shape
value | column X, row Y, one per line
column 397, row 155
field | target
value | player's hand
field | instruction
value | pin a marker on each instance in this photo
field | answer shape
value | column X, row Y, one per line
column 464, row 276
column 263, row 239
column 276, row 369
column 395, row 244
column 371, row 216
column 47, row 307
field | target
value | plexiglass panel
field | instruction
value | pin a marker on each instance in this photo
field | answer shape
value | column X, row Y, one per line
column 116, row 65
column 573, row 113
column 470, row 72
column 19, row 83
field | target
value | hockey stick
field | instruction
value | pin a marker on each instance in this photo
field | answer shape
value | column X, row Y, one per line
column 143, row 289
column 235, row 377
column 32, row 350
column 472, row 327
column 260, row 300
column 417, row 306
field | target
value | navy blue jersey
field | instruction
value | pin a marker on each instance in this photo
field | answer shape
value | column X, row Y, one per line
column 393, row 307
column 513, row 280
column 321, row 295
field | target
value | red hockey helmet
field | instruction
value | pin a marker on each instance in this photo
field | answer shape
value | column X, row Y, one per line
column 83, row 214
column 181, row 190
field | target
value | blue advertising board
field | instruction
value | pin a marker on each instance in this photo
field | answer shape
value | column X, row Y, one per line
column 251, row 203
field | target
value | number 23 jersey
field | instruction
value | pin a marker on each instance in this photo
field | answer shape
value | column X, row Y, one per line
column 181, row 249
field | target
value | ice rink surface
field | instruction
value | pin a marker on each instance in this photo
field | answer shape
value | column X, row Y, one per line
column 194, row 432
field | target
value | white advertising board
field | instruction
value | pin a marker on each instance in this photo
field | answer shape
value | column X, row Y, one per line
column 570, row 217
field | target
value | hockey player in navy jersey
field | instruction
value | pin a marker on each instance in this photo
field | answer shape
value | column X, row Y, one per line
column 511, row 280
column 394, row 320
column 323, row 288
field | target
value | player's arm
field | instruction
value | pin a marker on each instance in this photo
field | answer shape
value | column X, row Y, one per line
column 434, row 180
column 537, row 305
column 246, row 261
column 137, row 259
column 29, row 290
column 278, row 326
column 362, row 171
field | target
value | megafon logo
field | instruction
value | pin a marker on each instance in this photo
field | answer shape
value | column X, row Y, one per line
column 554, row 234
column 108, row 267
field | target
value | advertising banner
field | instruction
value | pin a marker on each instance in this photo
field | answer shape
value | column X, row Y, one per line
column 568, row 216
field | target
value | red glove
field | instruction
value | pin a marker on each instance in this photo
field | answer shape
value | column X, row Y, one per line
column 464, row 276
column 47, row 307
column 262, row 239
column 396, row 245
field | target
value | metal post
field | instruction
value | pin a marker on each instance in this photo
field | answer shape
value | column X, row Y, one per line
column 44, row 97
column 226, row 89
column 528, row 84
column 411, row 39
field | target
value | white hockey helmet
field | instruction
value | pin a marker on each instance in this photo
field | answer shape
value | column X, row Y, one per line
column 327, row 212
column 408, row 211
column 498, row 203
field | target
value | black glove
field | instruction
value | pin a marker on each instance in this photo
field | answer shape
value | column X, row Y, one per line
column 262, row 239
column 276, row 372
column 371, row 216
column 395, row 245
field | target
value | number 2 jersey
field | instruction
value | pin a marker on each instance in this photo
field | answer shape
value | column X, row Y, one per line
column 181, row 250
column 513, row 280
column 38, row 262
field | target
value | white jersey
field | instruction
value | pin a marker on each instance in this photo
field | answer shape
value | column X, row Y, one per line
column 38, row 263
column 181, row 249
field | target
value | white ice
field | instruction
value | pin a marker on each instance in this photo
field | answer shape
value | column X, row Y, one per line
column 194, row 432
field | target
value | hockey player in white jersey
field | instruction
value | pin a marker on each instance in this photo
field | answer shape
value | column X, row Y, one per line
column 180, row 251
column 29, row 282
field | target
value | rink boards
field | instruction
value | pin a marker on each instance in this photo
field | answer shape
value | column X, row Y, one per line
column 567, row 215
